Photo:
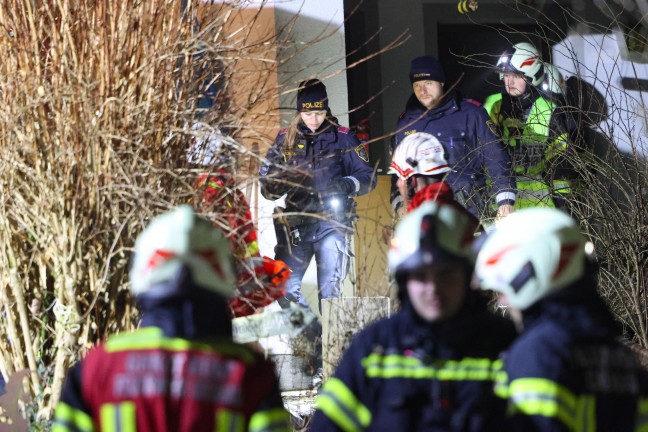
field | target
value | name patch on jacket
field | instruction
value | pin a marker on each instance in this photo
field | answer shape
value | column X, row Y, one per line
column 207, row 379
column 607, row 369
column 361, row 151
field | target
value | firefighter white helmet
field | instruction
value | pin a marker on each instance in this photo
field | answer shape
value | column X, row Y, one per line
column 434, row 232
column 177, row 239
column 419, row 153
column 523, row 58
column 531, row 254
column 553, row 81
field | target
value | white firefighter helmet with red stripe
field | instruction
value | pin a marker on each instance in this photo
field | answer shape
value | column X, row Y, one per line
column 553, row 82
column 434, row 232
column 531, row 254
column 523, row 58
column 419, row 154
column 180, row 238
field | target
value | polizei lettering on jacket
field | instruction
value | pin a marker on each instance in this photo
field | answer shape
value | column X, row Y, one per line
column 197, row 378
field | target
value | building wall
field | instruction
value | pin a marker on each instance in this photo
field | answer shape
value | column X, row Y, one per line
column 311, row 45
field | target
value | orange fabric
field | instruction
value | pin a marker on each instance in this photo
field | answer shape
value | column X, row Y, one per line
column 266, row 285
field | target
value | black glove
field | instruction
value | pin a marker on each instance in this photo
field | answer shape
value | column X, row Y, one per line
column 341, row 186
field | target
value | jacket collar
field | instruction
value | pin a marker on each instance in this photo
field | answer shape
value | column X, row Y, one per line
column 578, row 305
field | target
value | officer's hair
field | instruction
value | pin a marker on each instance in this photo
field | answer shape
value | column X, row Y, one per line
column 293, row 133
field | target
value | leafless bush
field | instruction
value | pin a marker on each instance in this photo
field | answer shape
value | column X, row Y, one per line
column 98, row 100
column 609, row 198
column 99, row 103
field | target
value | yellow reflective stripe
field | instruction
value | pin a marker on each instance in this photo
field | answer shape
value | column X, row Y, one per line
column 397, row 366
column 213, row 184
column 271, row 420
column 153, row 338
column 585, row 420
column 536, row 192
column 252, row 249
column 561, row 187
column 468, row 369
column 532, row 185
column 542, row 397
column 556, row 147
column 501, row 381
column 642, row 416
column 339, row 404
column 118, row 417
column 227, row 420
column 68, row 418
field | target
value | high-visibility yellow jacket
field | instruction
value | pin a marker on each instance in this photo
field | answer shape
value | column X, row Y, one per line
column 533, row 146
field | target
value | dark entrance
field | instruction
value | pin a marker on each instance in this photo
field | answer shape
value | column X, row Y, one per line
column 473, row 50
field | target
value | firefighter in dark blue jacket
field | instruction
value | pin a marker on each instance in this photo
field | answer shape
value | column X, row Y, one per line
column 431, row 366
column 319, row 166
column 461, row 125
column 567, row 371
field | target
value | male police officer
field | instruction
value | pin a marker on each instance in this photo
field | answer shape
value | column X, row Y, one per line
column 461, row 126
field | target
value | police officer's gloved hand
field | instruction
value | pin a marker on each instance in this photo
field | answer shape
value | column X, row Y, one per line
column 341, row 186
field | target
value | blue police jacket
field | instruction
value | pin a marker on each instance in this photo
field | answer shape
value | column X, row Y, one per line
column 472, row 149
column 306, row 172
column 568, row 371
column 404, row 374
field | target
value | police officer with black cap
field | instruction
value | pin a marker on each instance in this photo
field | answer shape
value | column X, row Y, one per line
column 319, row 166
column 460, row 124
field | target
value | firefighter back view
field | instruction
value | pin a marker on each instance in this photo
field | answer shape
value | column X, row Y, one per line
column 567, row 371
column 180, row 371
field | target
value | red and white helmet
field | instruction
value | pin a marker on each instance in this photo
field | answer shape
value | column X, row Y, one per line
column 523, row 58
column 531, row 254
column 420, row 153
column 553, row 82
column 434, row 232
column 177, row 239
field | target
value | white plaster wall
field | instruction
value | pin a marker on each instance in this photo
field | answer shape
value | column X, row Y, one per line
column 313, row 34
column 599, row 60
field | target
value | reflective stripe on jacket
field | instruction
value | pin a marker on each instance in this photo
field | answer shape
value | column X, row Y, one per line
column 403, row 374
column 568, row 372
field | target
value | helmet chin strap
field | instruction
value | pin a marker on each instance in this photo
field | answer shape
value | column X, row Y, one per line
column 526, row 99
